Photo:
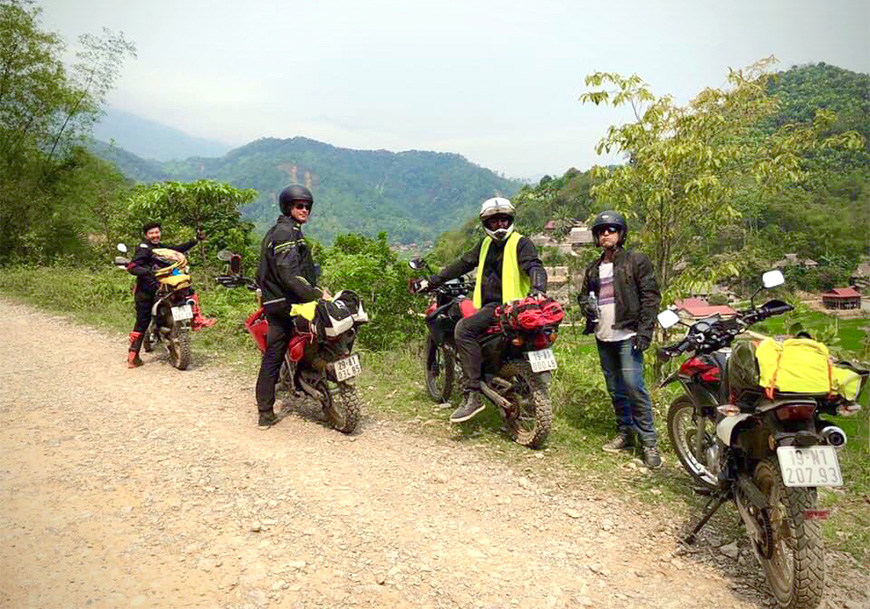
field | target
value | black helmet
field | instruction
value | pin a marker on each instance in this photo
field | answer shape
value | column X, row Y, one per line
column 291, row 194
column 609, row 218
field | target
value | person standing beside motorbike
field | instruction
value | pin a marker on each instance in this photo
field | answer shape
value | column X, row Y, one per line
column 508, row 268
column 620, row 299
column 142, row 265
column 286, row 276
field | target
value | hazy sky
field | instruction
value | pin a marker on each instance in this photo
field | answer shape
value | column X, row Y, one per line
column 496, row 81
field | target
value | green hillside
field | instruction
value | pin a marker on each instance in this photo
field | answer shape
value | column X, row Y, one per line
column 412, row 195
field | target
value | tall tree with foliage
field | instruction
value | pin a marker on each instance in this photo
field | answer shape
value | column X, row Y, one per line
column 686, row 165
column 46, row 109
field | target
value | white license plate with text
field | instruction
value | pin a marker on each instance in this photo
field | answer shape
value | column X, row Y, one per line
column 809, row 466
column 542, row 360
column 182, row 312
column 347, row 367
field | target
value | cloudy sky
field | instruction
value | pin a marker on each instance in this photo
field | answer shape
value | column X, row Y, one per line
column 494, row 80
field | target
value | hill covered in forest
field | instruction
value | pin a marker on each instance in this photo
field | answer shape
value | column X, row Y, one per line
column 413, row 195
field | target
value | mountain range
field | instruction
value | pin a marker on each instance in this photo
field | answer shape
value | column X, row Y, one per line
column 414, row 195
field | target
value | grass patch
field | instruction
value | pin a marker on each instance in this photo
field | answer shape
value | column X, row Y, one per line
column 392, row 385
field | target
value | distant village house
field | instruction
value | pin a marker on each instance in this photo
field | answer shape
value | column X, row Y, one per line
column 842, row 298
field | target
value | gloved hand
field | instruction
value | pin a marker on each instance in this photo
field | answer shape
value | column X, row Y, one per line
column 537, row 294
column 590, row 311
column 639, row 343
column 418, row 285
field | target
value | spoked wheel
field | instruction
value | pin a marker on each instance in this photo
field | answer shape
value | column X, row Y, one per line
column 178, row 345
column 341, row 405
column 440, row 363
column 795, row 570
column 531, row 415
column 699, row 461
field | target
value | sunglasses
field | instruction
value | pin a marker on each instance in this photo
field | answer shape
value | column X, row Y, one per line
column 609, row 229
column 302, row 206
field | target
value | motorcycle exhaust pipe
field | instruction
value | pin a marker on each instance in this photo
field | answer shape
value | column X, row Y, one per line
column 834, row 436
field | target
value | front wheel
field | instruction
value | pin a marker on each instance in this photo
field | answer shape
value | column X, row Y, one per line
column 531, row 414
column 699, row 456
column 440, row 363
column 795, row 570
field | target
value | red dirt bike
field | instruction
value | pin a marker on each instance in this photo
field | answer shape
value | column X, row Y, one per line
column 176, row 312
column 516, row 362
column 322, row 368
column 766, row 451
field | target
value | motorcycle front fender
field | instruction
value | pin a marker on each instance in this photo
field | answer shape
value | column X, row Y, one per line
column 727, row 426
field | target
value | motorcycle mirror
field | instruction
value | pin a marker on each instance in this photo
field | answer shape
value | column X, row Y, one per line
column 235, row 264
column 121, row 248
column 668, row 319
column 416, row 263
column 771, row 279
column 225, row 255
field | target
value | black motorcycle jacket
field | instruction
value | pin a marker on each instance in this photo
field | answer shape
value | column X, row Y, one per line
column 636, row 290
column 286, row 274
column 527, row 256
column 144, row 263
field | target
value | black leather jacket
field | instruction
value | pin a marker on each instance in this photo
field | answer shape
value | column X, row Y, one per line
column 636, row 289
column 527, row 256
column 286, row 274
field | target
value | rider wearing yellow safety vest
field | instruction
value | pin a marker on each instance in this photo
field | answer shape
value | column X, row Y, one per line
column 508, row 269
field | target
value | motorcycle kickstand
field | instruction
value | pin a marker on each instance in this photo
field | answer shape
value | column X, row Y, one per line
column 716, row 501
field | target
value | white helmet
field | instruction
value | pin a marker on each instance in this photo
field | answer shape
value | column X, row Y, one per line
column 494, row 207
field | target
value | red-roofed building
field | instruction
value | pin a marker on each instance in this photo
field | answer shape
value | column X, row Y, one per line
column 698, row 308
column 842, row 298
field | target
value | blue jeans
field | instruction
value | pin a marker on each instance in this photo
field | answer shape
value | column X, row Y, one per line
column 623, row 372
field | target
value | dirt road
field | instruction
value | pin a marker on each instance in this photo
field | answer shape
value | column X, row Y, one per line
column 154, row 488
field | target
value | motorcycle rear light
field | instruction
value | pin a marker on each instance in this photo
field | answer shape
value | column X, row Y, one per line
column 795, row 412
column 542, row 341
column 553, row 337
column 516, row 342
column 816, row 514
column 728, row 410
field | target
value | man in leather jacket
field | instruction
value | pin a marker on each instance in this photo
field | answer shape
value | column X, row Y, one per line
column 142, row 265
column 620, row 299
column 508, row 269
column 286, row 276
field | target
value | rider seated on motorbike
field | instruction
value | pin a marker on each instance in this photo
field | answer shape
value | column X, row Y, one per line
column 508, row 269
column 142, row 265
column 286, row 276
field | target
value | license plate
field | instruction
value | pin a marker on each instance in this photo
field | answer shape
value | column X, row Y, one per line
column 182, row 312
column 347, row 367
column 542, row 360
column 809, row 466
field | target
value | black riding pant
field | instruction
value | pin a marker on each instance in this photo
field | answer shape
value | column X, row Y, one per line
column 467, row 337
column 144, row 301
column 281, row 330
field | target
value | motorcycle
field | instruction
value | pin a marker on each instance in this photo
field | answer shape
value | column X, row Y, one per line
column 768, row 452
column 320, row 367
column 176, row 311
column 516, row 362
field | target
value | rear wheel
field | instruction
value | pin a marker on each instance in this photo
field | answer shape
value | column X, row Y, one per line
column 531, row 414
column 795, row 570
column 341, row 405
column 440, row 365
column 178, row 344
column 698, row 461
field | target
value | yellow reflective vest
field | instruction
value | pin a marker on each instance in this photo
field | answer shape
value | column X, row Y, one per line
column 514, row 281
